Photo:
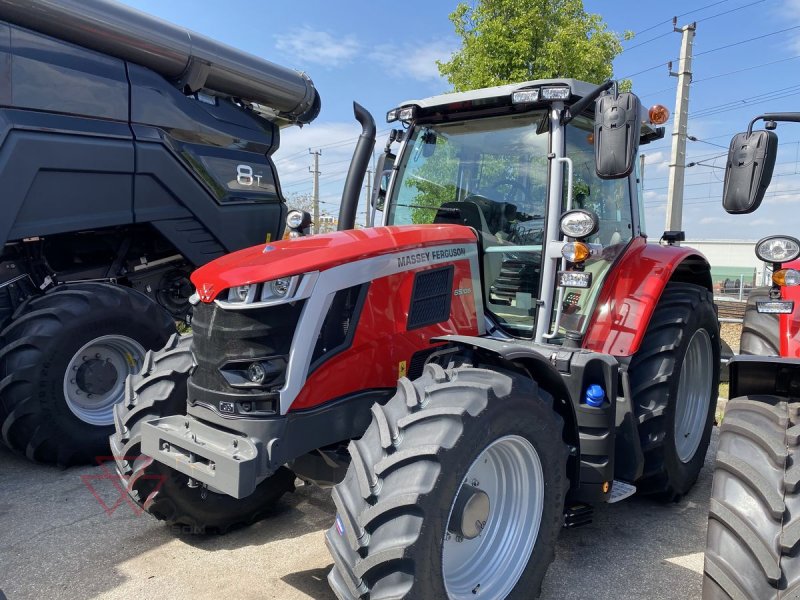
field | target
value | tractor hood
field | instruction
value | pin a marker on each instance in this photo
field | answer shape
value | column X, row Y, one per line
column 318, row 253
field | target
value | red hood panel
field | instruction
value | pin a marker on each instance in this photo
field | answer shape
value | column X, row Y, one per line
column 318, row 253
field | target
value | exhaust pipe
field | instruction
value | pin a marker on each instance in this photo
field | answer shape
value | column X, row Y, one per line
column 358, row 168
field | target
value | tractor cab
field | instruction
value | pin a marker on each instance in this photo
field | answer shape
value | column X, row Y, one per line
column 532, row 170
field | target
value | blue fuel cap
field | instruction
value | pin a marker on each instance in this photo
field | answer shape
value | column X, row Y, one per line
column 595, row 396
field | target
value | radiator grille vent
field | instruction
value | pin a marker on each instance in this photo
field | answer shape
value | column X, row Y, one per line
column 430, row 298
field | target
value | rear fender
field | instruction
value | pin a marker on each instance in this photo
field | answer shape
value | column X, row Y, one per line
column 770, row 375
column 631, row 292
column 565, row 375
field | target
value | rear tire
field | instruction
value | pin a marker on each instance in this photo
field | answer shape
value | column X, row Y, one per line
column 675, row 420
column 160, row 391
column 392, row 539
column 760, row 332
column 753, row 544
column 64, row 357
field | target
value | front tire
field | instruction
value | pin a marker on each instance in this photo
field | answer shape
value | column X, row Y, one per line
column 63, row 362
column 674, row 383
column 160, row 391
column 753, row 544
column 760, row 331
column 456, row 488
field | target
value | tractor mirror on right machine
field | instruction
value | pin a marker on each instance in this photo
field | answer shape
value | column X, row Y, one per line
column 748, row 171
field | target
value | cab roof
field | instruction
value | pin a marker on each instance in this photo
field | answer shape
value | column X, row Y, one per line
column 578, row 89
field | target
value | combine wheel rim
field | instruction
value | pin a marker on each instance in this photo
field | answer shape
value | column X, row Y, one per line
column 510, row 472
column 91, row 389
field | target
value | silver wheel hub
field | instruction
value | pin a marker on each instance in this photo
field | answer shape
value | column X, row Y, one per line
column 694, row 392
column 95, row 377
column 494, row 521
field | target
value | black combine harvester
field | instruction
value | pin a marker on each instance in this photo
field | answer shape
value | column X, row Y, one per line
column 131, row 152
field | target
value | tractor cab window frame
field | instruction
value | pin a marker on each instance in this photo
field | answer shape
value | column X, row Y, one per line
column 491, row 174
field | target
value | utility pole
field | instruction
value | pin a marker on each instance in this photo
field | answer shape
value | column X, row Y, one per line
column 677, row 165
column 367, row 189
column 315, row 192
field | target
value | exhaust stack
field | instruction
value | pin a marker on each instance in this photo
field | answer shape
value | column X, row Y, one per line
column 358, row 168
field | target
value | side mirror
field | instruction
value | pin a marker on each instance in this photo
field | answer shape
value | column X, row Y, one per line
column 383, row 172
column 748, row 171
column 617, row 126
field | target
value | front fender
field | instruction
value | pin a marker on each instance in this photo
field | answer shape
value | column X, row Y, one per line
column 632, row 289
column 566, row 375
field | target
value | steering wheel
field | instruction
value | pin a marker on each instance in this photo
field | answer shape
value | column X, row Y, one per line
column 510, row 190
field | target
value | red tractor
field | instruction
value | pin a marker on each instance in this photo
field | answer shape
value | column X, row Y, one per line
column 753, row 545
column 549, row 357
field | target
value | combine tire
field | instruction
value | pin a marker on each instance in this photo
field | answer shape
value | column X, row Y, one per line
column 64, row 357
column 753, row 546
column 674, row 380
column 760, row 332
column 456, row 490
column 160, row 391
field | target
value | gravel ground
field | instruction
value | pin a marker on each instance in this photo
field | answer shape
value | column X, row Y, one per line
column 730, row 332
column 57, row 541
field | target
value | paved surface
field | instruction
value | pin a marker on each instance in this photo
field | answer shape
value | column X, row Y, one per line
column 57, row 541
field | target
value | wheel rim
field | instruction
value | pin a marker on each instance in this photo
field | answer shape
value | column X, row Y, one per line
column 510, row 473
column 694, row 391
column 95, row 377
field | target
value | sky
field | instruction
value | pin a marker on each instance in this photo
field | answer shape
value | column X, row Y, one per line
column 380, row 54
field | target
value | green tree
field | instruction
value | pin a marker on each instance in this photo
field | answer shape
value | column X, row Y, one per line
column 506, row 41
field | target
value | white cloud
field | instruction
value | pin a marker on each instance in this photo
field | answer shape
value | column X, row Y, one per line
column 414, row 60
column 658, row 162
column 308, row 45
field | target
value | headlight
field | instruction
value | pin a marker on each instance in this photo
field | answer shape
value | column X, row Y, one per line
column 778, row 249
column 278, row 288
column 239, row 293
column 297, row 219
column 555, row 93
column 579, row 223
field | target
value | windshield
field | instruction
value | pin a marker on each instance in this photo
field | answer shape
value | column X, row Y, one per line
column 492, row 174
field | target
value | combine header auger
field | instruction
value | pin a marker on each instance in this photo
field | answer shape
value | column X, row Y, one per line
column 753, row 545
column 549, row 356
column 131, row 152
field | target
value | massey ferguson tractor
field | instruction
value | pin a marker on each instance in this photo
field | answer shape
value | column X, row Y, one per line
column 549, row 357
column 753, row 544
column 131, row 152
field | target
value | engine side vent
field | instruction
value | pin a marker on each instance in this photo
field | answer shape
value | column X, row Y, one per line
column 431, row 297
column 340, row 323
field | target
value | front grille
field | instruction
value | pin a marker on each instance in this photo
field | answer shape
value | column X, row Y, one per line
column 430, row 297
column 340, row 323
column 222, row 337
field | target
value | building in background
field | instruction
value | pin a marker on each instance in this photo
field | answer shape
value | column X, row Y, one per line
column 734, row 266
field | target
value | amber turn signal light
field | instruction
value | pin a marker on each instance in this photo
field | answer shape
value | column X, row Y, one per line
column 575, row 252
column 658, row 114
column 785, row 277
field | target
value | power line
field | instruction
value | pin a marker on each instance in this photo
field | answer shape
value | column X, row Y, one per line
column 727, row 12
column 726, row 46
column 753, row 39
column 660, row 23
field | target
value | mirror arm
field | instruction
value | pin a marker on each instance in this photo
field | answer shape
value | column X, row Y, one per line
column 576, row 109
column 792, row 117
